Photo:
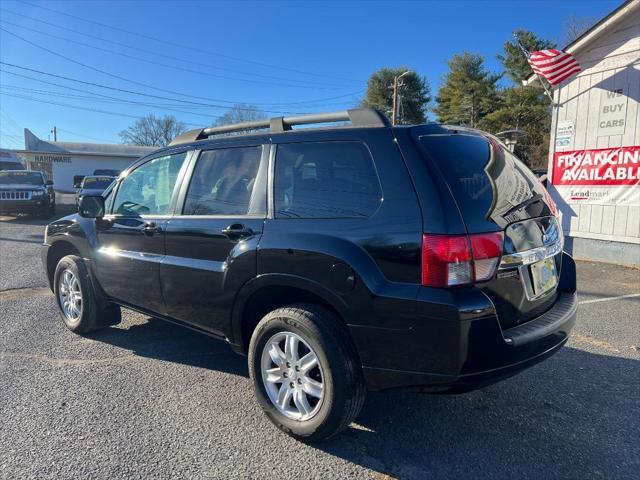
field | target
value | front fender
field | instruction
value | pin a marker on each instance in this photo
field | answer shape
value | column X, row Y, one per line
column 75, row 230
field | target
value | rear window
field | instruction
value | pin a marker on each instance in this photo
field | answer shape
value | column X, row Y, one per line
column 97, row 182
column 491, row 185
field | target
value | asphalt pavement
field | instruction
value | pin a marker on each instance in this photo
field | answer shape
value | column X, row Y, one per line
column 146, row 399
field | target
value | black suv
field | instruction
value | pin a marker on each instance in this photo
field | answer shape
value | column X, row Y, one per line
column 26, row 191
column 341, row 259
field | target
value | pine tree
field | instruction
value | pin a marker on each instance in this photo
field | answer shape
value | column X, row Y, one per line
column 469, row 92
column 514, row 61
column 415, row 95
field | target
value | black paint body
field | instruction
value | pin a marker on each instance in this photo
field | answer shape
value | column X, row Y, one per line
column 368, row 270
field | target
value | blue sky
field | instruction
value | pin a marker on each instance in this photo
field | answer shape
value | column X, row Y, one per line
column 200, row 57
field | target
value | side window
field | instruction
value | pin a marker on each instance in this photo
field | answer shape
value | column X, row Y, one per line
column 228, row 181
column 325, row 180
column 147, row 190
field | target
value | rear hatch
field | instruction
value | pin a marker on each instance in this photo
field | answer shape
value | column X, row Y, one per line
column 496, row 192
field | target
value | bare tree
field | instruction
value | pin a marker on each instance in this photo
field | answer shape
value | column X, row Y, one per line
column 240, row 112
column 152, row 131
column 574, row 27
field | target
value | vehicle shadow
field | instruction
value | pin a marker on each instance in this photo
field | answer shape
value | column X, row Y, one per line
column 576, row 415
column 165, row 341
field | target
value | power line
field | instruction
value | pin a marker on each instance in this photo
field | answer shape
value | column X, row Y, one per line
column 230, row 102
column 105, row 98
column 147, row 51
column 85, row 136
column 133, row 92
column 99, row 70
column 165, row 65
column 107, row 112
column 187, row 47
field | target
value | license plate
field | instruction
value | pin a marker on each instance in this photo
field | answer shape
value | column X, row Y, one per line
column 543, row 276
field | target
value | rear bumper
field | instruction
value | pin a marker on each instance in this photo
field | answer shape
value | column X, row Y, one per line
column 459, row 355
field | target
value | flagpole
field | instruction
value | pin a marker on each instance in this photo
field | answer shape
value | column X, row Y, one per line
column 544, row 85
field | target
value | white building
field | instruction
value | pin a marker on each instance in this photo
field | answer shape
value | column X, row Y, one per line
column 594, row 155
column 61, row 161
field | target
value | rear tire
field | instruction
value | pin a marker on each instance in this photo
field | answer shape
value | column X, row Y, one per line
column 315, row 403
column 76, row 299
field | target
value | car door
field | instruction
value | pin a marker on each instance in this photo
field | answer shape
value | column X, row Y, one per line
column 131, row 236
column 212, row 239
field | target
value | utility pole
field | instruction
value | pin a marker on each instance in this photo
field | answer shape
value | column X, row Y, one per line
column 394, row 112
column 55, row 134
column 396, row 86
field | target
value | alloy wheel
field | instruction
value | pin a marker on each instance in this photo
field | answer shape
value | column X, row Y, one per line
column 70, row 295
column 293, row 376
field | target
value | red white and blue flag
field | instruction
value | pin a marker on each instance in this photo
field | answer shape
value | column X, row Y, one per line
column 554, row 65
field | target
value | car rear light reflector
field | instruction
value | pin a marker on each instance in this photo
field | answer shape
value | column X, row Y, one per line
column 449, row 260
column 486, row 249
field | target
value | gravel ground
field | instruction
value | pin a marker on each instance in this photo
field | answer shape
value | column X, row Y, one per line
column 148, row 399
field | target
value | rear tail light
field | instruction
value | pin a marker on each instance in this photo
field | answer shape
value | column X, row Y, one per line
column 449, row 260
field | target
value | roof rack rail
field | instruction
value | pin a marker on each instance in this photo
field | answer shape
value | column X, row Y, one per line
column 359, row 117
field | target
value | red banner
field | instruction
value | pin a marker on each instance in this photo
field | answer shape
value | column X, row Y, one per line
column 604, row 166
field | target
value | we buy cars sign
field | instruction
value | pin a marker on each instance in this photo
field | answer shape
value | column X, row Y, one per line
column 612, row 175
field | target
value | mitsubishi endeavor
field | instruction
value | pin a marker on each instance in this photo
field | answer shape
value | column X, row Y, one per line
column 340, row 259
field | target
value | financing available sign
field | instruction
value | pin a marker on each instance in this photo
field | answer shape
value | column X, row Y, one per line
column 605, row 176
column 604, row 166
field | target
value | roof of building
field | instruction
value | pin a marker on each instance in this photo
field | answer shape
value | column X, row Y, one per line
column 626, row 9
column 35, row 144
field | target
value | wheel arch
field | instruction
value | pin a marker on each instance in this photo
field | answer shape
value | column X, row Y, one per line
column 268, row 292
column 57, row 251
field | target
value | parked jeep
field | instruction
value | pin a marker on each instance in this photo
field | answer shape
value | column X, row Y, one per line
column 340, row 260
column 26, row 191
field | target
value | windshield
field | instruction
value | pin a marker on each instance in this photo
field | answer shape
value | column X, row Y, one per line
column 97, row 182
column 29, row 178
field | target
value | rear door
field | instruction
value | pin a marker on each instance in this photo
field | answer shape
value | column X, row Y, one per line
column 211, row 242
column 495, row 191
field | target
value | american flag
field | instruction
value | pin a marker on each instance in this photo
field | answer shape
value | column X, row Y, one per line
column 554, row 65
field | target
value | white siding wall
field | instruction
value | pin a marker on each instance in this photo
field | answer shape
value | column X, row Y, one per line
column 611, row 62
column 62, row 173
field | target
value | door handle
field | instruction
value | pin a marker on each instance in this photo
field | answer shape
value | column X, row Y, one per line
column 151, row 228
column 236, row 231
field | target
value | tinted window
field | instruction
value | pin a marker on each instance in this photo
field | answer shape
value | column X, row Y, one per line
column 227, row 182
column 97, row 182
column 28, row 178
column 491, row 185
column 147, row 190
column 325, row 180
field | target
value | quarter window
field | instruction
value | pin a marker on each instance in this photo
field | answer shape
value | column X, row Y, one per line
column 325, row 180
column 228, row 181
column 147, row 190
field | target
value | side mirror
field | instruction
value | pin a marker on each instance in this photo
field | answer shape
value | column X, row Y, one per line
column 91, row 206
column 77, row 185
column 49, row 183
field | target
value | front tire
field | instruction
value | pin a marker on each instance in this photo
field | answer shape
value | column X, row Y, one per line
column 76, row 299
column 306, row 372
